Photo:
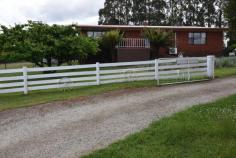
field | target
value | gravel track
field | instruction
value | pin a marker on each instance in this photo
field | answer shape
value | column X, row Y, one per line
column 73, row 128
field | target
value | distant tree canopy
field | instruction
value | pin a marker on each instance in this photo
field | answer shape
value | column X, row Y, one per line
column 43, row 44
column 230, row 11
column 163, row 12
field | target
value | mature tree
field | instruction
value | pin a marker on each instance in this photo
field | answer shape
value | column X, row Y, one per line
column 109, row 41
column 164, row 12
column 140, row 11
column 230, row 12
column 42, row 44
column 220, row 14
column 158, row 38
column 123, row 12
column 156, row 12
column 115, row 12
column 174, row 13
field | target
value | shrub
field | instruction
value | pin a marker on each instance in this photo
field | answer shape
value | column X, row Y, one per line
column 158, row 38
column 225, row 62
column 109, row 41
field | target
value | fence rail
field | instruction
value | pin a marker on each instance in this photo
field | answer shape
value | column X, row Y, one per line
column 30, row 79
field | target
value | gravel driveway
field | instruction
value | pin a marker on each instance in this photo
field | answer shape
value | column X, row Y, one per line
column 73, row 128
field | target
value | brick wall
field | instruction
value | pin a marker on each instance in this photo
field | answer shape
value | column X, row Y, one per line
column 213, row 46
column 133, row 54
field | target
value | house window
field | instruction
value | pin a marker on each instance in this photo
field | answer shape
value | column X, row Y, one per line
column 94, row 34
column 197, row 38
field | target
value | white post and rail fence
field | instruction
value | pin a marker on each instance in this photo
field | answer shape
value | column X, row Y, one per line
column 169, row 70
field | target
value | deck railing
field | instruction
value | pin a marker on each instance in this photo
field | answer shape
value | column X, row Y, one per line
column 134, row 43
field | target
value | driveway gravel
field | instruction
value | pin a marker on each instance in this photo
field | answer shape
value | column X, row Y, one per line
column 73, row 128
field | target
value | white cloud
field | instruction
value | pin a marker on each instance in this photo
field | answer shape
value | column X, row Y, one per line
column 50, row 11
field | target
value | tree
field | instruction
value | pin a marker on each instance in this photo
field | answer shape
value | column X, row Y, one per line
column 231, row 16
column 164, row 12
column 158, row 38
column 115, row 12
column 123, row 12
column 174, row 13
column 42, row 44
column 220, row 14
column 109, row 41
column 157, row 12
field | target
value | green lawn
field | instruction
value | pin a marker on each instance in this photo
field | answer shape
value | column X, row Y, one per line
column 16, row 65
column 205, row 131
column 17, row 100
column 224, row 72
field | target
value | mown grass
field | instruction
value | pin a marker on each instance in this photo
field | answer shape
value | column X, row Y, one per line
column 16, row 65
column 224, row 72
column 205, row 131
column 17, row 100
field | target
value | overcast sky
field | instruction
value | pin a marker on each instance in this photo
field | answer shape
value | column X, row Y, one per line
column 50, row 11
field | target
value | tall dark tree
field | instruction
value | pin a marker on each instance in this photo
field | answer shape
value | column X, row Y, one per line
column 137, row 12
column 174, row 13
column 157, row 12
column 115, row 12
column 220, row 14
column 164, row 12
column 140, row 11
column 230, row 12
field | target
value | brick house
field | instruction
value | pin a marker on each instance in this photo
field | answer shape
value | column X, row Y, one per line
column 188, row 40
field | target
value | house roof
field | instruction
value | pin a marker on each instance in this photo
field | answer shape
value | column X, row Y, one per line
column 140, row 27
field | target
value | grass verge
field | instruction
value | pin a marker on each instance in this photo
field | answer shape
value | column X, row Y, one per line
column 225, row 72
column 205, row 131
column 17, row 100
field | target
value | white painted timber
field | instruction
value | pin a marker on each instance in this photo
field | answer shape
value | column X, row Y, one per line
column 61, row 68
column 21, row 80
column 9, row 71
column 66, row 74
column 12, row 90
column 15, row 78
column 53, row 81
column 182, row 66
column 128, row 63
column 117, row 71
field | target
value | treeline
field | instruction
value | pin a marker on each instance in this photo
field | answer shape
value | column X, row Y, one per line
column 163, row 12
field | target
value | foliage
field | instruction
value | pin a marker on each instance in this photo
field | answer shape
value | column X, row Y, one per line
column 115, row 12
column 163, row 12
column 43, row 44
column 109, row 41
column 226, row 62
column 158, row 38
column 10, row 58
column 207, row 130
column 231, row 16
column 233, row 46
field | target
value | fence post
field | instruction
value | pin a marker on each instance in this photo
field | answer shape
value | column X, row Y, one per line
column 157, row 71
column 211, row 67
column 98, row 73
column 25, row 80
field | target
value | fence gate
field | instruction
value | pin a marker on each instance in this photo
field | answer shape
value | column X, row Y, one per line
column 184, row 69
